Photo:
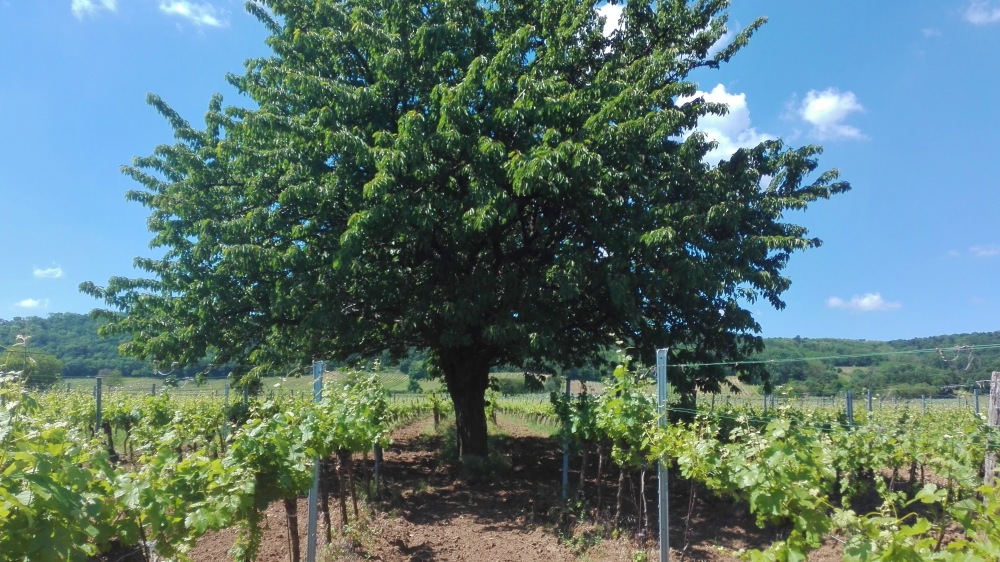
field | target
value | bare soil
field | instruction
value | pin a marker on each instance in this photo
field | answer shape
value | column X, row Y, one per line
column 434, row 511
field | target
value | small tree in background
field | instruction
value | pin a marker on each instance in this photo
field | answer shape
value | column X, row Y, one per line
column 413, row 386
column 112, row 377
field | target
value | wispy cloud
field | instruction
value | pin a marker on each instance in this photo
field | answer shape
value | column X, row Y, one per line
column 54, row 272
column 869, row 302
column 199, row 14
column 83, row 8
column 930, row 32
column 731, row 131
column 987, row 251
column 721, row 43
column 826, row 111
column 32, row 304
column 982, row 12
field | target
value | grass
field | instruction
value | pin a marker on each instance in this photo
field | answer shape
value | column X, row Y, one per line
column 143, row 384
column 394, row 381
column 475, row 469
column 530, row 427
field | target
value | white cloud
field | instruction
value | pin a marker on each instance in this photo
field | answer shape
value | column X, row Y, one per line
column 827, row 110
column 988, row 251
column 930, row 32
column 731, row 131
column 83, row 8
column 199, row 14
column 869, row 302
column 54, row 272
column 32, row 304
column 612, row 14
column 982, row 12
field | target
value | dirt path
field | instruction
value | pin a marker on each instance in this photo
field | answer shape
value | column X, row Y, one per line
column 434, row 515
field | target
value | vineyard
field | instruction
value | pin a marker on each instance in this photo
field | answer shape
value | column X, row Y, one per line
column 158, row 472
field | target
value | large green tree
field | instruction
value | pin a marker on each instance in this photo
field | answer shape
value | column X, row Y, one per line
column 496, row 182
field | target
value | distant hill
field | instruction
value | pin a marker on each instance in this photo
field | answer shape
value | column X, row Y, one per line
column 72, row 338
column 915, row 367
column 821, row 366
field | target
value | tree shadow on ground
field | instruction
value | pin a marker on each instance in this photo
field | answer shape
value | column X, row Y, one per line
column 514, row 492
column 521, row 493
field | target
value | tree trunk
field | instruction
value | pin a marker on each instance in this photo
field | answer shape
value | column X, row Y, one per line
column 342, row 488
column 600, row 475
column 292, row 519
column 645, row 504
column 324, row 484
column 618, row 498
column 106, row 427
column 467, row 374
column 378, row 470
column 354, row 491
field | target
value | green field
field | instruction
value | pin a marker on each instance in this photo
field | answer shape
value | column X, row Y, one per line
column 394, row 381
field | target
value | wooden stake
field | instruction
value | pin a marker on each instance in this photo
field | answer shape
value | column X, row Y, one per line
column 989, row 470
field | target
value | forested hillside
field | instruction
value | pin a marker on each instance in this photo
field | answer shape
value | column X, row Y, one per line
column 72, row 338
column 915, row 367
column 827, row 366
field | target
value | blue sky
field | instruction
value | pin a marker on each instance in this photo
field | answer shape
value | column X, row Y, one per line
column 903, row 94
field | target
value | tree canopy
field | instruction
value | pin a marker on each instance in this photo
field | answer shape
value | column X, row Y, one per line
column 496, row 182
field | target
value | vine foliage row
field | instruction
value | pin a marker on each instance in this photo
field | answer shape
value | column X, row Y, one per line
column 899, row 485
column 67, row 494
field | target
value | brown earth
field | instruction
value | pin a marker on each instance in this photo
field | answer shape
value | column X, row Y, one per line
column 432, row 511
